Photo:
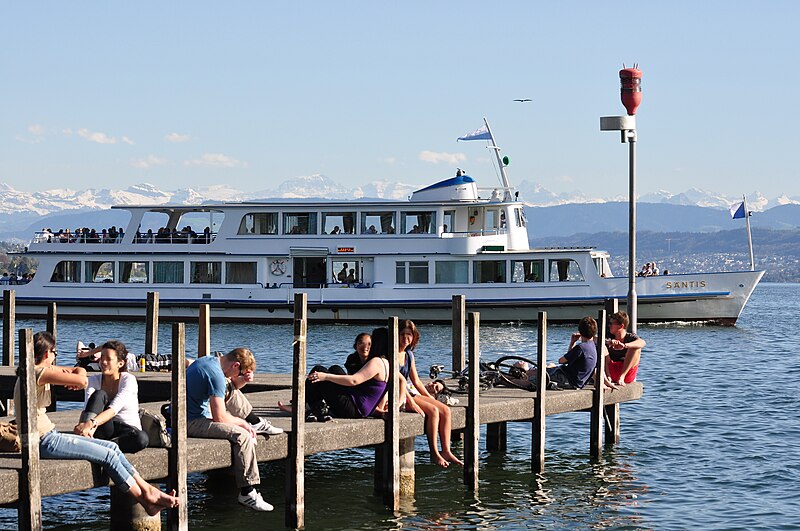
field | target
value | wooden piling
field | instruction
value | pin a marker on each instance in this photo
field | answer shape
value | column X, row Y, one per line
column 128, row 515
column 612, row 410
column 596, row 430
column 295, row 462
column 472, row 431
column 178, row 518
column 459, row 317
column 151, row 324
column 407, row 472
column 204, row 331
column 391, row 453
column 9, row 324
column 497, row 436
column 52, row 320
column 29, row 511
column 539, row 422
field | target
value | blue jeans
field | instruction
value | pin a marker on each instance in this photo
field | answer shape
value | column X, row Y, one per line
column 55, row 445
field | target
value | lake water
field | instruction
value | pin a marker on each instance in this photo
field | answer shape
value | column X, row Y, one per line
column 709, row 446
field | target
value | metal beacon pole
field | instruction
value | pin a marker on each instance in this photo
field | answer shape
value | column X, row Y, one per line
column 631, row 95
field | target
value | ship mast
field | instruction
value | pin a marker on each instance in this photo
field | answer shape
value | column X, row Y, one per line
column 503, row 176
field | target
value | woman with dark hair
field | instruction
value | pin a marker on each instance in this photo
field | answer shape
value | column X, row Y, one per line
column 357, row 359
column 56, row 445
column 438, row 417
column 111, row 410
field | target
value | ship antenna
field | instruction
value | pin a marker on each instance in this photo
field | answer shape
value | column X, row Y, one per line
column 496, row 149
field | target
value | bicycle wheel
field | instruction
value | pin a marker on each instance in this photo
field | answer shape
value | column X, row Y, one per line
column 511, row 375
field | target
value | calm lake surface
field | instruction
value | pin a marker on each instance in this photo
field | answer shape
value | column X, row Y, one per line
column 711, row 445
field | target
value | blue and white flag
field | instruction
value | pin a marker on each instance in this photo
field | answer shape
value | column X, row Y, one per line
column 737, row 211
column 478, row 134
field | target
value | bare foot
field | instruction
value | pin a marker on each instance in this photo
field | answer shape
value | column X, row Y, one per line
column 450, row 456
column 439, row 460
column 283, row 407
column 151, row 508
column 156, row 497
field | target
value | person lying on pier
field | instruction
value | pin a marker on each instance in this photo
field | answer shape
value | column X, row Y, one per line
column 624, row 351
column 576, row 366
column 56, row 445
column 438, row 417
column 111, row 410
column 208, row 416
column 357, row 359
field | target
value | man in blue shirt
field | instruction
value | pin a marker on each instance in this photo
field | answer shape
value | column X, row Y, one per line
column 210, row 416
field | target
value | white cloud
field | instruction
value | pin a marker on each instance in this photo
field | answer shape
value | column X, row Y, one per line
column 391, row 161
column 36, row 129
column 93, row 136
column 435, row 158
column 127, row 140
column 216, row 160
column 176, row 137
column 566, row 178
column 150, row 161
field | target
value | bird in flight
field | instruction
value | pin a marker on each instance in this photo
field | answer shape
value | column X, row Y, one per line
column 524, row 100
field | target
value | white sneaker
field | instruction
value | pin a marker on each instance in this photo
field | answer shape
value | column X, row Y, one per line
column 255, row 501
column 264, row 426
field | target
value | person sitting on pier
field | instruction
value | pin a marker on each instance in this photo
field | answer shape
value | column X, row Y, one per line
column 576, row 366
column 357, row 359
column 111, row 410
column 209, row 416
column 438, row 417
column 624, row 351
column 56, row 445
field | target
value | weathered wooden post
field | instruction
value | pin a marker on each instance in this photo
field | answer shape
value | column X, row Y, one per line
column 391, row 444
column 151, row 324
column 52, row 320
column 612, row 410
column 29, row 512
column 295, row 463
column 539, row 412
column 178, row 518
column 596, row 431
column 9, row 324
column 497, row 436
column 472, row 433
column 204, row 331
column 459, row 316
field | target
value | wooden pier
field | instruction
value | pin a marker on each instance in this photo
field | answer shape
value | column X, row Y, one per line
column 24, row 479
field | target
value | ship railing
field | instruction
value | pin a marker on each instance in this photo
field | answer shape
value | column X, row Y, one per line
column 476, row 232
column 51, row 237
column 175, row 238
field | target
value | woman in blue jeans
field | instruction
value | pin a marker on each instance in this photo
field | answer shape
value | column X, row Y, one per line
column 56, row 445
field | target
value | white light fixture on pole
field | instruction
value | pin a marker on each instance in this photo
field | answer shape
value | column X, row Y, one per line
column 631, row 95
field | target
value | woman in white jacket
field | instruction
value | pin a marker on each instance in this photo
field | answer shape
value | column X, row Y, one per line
column 111, row 411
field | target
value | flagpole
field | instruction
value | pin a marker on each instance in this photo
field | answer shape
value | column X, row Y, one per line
column 749, row 236
column 496, row 150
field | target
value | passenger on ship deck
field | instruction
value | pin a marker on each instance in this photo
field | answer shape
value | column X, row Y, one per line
column 209, row 416
column 336, row 230
column 624, row 351
column 56, row 445
column 438, row 417
column 351, row 277
column 341, row 276
column 111, row 405
column 372, row 230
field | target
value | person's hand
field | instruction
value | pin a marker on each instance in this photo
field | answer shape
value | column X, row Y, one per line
column 621, row 383
column 315, row 377
column 576, row 336
column 84, row 429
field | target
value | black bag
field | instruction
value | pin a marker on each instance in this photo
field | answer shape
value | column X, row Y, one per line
column 155, row 426
column 156, row 362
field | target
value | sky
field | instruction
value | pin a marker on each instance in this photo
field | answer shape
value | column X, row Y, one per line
column 249, row 94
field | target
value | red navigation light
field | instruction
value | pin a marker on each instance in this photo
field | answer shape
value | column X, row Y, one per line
column 631, row 88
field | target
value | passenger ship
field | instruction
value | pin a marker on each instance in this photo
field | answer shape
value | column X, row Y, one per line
column 357, row 261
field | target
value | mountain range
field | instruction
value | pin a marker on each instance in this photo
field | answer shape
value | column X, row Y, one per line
column 552, row 214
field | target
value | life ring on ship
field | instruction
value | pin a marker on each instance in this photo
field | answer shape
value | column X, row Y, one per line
column 278, row 267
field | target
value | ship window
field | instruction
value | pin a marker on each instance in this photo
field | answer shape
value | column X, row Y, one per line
column 134, row 272
column 491, row 219
column 418, row 222
column 205, row 273
column 168, row 272
column 99, row 272
column 345, row 272
column 565, row 270
column 199, row 227
column 338, row 223
column 484, row 271
column 259, row 223
column 527, row 271
column 411, row 272
column 67, row 271
column 377, row 223
column 452, row 272
column 300, row 223
column 449, row 221
column 519, row 214
column 240, row 273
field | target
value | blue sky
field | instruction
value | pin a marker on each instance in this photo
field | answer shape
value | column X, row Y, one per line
column 248, row 94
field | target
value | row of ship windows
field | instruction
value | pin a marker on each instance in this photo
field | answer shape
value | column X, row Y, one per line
column 406, row 272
